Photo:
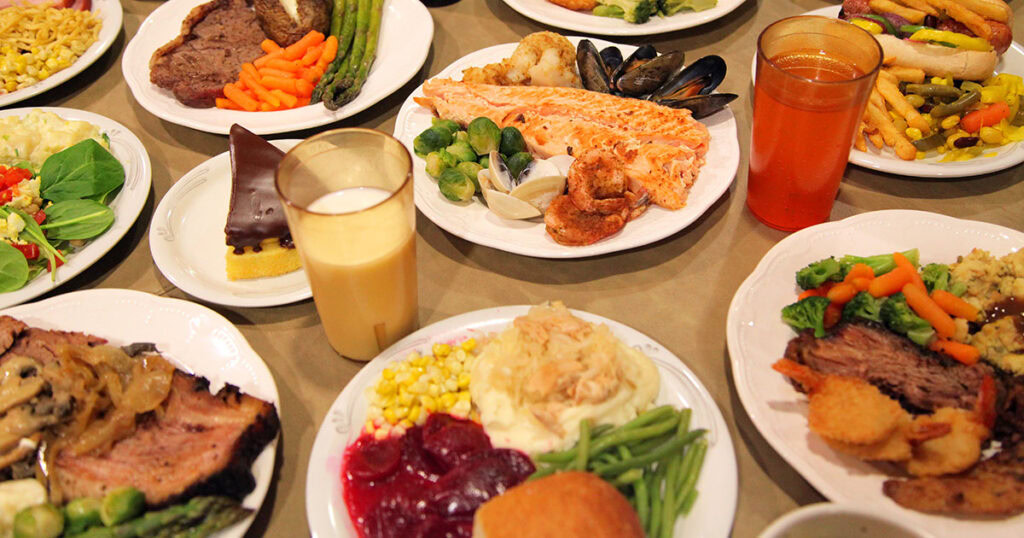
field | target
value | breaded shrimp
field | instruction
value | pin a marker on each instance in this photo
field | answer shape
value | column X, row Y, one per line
column 950, row 453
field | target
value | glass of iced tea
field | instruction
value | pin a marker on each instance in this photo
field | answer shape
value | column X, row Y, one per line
column 814, row 77
column 348, row 197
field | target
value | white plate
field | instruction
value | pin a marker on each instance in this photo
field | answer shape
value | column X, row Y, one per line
column 885, row 160
column 757, row 337
column 474, row 222
column 187, row 238
column 405, row 36
column 583, row 21
column 194, row 337
column 126, row 205
column 108, row 11
column 716, row 505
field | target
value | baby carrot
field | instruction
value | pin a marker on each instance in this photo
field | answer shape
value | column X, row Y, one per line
column 330, row 50
column 303, row 88
column 262, row 60
column 808, row 293
column 312, row 74
column 298, row 49
column 915, row 279
column 287, row 100
column 889, row 283
column 841, row 293
column 861, row 283
column 303, row 101
column 268, row 72
column 269, row 46
column 833, row 313
column 283, row 65
column 964, row 353
column 251, row 69
column 312, row 55
column 954, row 305
column 261, row 92
column 859, row 270
column 924, row 306
column 228, row 104
column 277, row 83
column 240, row 98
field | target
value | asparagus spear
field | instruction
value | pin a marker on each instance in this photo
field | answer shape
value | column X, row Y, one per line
column 343, row 78
column 200, row 516
column 363, row 70
column 337, row 16
column 348, row 27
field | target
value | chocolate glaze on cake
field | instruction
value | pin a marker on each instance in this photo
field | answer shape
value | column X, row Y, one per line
column 255, row 213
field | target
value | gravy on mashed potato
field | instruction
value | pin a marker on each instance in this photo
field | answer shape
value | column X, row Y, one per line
column 535, row 381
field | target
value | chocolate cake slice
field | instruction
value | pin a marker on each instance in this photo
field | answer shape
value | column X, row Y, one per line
column 259, row 243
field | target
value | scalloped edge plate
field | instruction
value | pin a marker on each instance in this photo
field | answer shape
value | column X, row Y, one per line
column 549, row 13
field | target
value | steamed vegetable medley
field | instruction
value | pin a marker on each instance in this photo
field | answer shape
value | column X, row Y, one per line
column 921, row 303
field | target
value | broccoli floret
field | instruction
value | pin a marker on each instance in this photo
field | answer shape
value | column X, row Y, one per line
column 634, row 11
column 936, row 276
column 880, row 264
column 817, row 273
column 898, row 316
column 863, row 305
column 808, row 313
column 671, row 7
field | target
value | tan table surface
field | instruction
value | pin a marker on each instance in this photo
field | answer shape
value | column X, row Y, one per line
column 677, row 291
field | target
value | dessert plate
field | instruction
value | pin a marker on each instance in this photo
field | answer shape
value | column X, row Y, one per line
column 583, row 21
column 757, row 337
column 187, row 241
column 192, row 336
column 126, row 205
column 108, row 11
column 711, row 516
column 405, row 36
column 474, row 222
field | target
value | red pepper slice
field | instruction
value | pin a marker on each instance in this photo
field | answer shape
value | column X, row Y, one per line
column 39, row 216
column 6, row 196
column 30, row 251
column 59, row 263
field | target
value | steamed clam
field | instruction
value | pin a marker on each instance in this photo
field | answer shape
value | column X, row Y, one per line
column 525, row 196
column 660, row 78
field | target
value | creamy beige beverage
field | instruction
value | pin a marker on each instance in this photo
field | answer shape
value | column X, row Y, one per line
column 365, row 286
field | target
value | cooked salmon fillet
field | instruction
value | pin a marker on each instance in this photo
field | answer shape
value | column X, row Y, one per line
column 661, row 148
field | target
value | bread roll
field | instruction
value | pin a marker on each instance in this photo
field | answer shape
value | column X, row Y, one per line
column 564, row 505
column 937, row 60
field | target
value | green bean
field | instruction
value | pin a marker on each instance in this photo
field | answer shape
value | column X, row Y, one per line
column 644, row 446
column 607, row 458
column 541, row 472
column 583, row 447
column 620, row 435
column 657, row 478
column 1018, row 118
column 934, row 90
column 643, row 503
column 692, row 473
column 598, row 431
column 627, row 477
column 665, row 449
column 688, row 501
column 668, row 511
column 684, row 420
column 956, row 107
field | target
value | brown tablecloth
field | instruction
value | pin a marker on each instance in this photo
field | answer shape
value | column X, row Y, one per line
column 676, row 290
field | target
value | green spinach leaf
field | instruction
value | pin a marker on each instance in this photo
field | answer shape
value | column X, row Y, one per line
column 81, row 171
column 76, row 219
column 13, row 268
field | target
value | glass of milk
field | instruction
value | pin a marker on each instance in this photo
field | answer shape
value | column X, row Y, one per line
column 348, row 197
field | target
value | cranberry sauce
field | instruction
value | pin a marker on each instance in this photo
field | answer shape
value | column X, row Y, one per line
column 428, row 483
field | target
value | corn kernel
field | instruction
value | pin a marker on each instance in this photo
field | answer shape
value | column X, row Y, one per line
column 447, row 400
column 389, row 415
column 915, row 100
column 414, row 413
column 463, row 396
column 463, row 380
column 386, row 388
column 434, row 389
column 388, row 373
column 398, row 430
column 913, row 133
column 920, row 155
column 401, row 412
column 991, row 135
column 428, row 403
column 369, row 426
column 451, row 385
column 441, row 350
column 950, row 121
column 469, row 344
column 382, row 434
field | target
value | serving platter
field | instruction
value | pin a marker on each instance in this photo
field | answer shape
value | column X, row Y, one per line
column 197, row 339
column 711, row 516
column 476, row 223
column 757, row 337
column 407, row 30
column 582, row 21
column 127, row 205
column 186, row 240
column 108, row 11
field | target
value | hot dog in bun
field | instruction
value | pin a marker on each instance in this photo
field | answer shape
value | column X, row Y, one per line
column 962, row 39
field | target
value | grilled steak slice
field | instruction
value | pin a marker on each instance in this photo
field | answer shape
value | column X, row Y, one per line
column 919, row 378
column 216, row 39
column 202, row 444
column 994, row 487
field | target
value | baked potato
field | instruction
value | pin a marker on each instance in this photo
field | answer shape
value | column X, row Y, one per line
column 286, row 21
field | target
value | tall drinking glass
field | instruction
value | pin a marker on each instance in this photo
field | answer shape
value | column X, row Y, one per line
column 814, row 77
column 347, row 194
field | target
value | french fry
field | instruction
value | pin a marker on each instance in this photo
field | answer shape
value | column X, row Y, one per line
column 876, row 99
column 913, row 75
column 886, row 85
column 974, row 22
column 919, row 5
column 858, row 138
column 989, row 10
column 892, row 136
column 876, row 139
column 915, row 16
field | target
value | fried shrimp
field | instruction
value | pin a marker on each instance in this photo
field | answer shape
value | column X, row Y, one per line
column 950, row 453
column 567, row 225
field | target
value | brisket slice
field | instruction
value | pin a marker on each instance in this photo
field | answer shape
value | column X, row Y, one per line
column 202, row 444
column 216, row 39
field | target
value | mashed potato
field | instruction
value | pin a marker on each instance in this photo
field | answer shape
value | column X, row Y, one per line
column 534, row 382
column 38, row 134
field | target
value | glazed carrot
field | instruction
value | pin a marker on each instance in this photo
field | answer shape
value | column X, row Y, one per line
column 262, row 60
column 262, row 93
column 915, row 279
column 240, row 85
column 227, row 104
column 268, row 72
column 955, row 306
column 330, row 50
column 303, row 101
column 251, row 69
column 808, row 293
column 269, row 46
column 303, row 88
column 283, row 65
column 889, row 283
column 861, row 283
column 267, row 107
column 298, row 49
column 287, row 100
column 240, row 98
column 964, row 353
column 841, row 293
column 282, row 84
column 833, row 312
column 311, row 74
column 312, row 55
column 859, row 270
column 924, row 306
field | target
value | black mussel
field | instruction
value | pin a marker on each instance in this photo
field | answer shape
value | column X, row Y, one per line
column 612, row 57
column 591, row 67
column 701, row 105
column 650, row 75
column 639, row 56
column 699, row 78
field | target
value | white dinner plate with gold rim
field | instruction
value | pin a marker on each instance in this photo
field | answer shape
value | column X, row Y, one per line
column 197, row 339
column 127, row 205
column 474, row 222
column 583, row 21
column 711, row 516
column 406, row 33
column 111, row 14
column 885, row 160
column 757, row 337
column 188, row 245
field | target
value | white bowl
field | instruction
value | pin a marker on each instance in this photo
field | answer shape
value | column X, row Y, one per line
column 830, row 520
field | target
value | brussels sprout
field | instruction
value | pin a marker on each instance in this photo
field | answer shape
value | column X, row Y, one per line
column 80, row 514
column 462, row 152
column 448, row 125
column 432, row 139
column 39, row 521
column 121, row 504
column 511, row 142
column 518, row 162
column 484, row 135
column 461, row 136
column 439, row 161
column 485, row 161
column 456, row 186
column 471, row 169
